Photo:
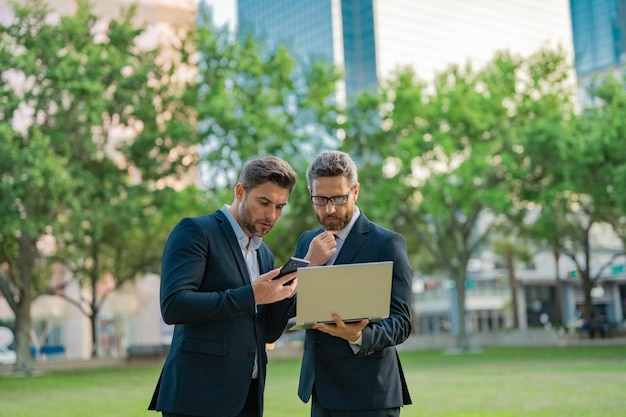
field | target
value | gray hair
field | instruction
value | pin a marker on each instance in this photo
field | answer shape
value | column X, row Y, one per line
column 332, row 164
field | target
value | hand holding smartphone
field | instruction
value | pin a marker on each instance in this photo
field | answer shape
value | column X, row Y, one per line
column 291, row 266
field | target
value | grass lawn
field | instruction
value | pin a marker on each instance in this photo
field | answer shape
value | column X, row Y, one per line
column 581, row 381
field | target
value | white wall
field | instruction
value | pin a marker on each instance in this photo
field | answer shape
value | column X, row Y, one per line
column 428, row 35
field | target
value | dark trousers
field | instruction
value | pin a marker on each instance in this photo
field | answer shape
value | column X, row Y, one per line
column 250, row 408
column 317, row 410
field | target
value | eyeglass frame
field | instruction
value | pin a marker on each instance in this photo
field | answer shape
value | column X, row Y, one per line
column 327, row 200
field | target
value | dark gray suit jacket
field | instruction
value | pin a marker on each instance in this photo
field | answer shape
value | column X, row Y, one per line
column 372, row 378
column 206, row 293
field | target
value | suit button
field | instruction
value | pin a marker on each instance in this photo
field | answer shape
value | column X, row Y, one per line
column 317, row 342
column 251, row 354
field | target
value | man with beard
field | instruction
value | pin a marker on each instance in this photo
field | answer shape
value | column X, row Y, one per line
column 353, row 369
column 217, row 289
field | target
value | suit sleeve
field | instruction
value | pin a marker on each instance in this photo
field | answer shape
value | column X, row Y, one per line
column 397, row 327
column 276, row 317
column 200, row 284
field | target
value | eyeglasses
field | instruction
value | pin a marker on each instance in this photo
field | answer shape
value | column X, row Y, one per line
column 336, row 200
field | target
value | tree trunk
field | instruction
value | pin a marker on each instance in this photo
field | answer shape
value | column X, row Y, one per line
column 510, row 264
column 23, row 322
column 587, row 286
column 23, row 325
column 585, row 274
column 94, row 341
column 94, row 298
column 558, row 313
column 462, row 341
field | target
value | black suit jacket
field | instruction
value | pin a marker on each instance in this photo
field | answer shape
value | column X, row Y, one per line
column 206, row 293
column 372, row 378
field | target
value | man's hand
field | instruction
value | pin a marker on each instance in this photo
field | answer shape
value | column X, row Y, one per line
column 347, row 331
column 321, row 248
column 268, row 290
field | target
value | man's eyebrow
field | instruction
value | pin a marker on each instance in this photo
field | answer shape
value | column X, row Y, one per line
column 265, row 199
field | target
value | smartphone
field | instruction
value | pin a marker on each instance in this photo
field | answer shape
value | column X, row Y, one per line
column 291, row 266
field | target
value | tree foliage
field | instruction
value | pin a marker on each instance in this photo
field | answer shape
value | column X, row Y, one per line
column 256, row 101
column 94, row 126
column 101, row 132
column 449, row 162
column 593, row 183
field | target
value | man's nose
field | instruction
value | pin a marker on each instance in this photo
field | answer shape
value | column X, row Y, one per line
column 272, row 213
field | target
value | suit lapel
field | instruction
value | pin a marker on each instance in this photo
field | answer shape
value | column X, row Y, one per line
column 233, row 245
column 265, row 260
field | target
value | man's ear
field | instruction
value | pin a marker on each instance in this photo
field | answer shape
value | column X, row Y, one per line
column 240, row 192
column 357, row 187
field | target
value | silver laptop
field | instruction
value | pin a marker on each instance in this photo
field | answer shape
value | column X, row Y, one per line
column 352, row 291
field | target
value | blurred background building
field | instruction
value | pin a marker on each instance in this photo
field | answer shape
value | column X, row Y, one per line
column 151, row 12
column 370, row 39
column 599, row 35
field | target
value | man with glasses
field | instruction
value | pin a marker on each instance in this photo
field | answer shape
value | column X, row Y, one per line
column 353, row 369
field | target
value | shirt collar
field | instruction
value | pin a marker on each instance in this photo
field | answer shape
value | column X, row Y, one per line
column 343, row 233
column 245, row 243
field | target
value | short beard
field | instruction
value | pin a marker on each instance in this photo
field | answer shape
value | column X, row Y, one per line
column 246, row 219
column 343, row 221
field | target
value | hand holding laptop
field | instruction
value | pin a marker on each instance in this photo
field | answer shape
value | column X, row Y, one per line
column 350, row 331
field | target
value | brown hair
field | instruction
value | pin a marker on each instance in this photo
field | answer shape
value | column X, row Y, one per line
column 268, row 168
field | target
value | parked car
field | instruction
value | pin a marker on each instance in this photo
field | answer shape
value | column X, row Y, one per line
column 7, row 356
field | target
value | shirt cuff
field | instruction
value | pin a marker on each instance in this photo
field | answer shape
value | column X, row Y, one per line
column 356, row 345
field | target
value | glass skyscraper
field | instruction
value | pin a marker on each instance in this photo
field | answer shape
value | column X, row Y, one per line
column 317, row 30
column 371, row 39
column 599, row 31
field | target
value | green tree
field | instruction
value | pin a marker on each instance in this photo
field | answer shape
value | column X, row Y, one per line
column 543, row 190
column 255, row 101
column 549, row 230
column 95, row 127
column 606, row 124
column 597, row 162
column 450, row 159
column 512, row 250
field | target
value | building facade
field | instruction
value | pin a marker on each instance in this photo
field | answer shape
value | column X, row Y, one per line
column 489, row 296
column 370, row 39
column 599, row 35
